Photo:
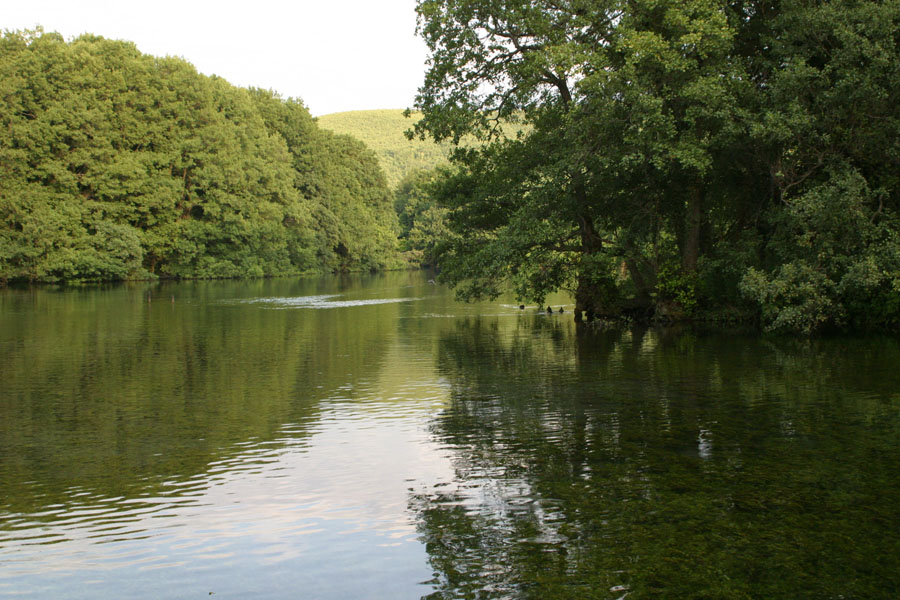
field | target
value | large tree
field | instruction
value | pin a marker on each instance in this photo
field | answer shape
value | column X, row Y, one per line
column 829, row 124
column 618, row 97
column 674, row 156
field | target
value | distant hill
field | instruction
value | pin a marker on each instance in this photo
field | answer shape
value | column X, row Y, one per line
column 382, row 131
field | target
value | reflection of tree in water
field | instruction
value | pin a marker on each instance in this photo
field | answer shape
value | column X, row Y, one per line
column 659, row 464
column 116, row 396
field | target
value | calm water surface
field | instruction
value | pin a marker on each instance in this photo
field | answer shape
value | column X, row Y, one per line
column 368, row 437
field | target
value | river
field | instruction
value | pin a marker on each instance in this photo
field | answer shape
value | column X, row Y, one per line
column 367, row 436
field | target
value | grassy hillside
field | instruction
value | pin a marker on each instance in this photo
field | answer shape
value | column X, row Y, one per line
column 382, row 131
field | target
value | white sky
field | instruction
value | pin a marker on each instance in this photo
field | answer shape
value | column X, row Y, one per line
column 335, row 55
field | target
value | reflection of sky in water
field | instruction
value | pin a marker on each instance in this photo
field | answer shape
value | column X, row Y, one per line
column 321, row 509
column 317, row 516
column 313, row 454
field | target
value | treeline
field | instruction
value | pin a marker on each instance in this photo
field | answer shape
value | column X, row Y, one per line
column 119, row 165
column 726, row 159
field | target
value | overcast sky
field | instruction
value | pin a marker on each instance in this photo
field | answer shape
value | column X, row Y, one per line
column 335, row 55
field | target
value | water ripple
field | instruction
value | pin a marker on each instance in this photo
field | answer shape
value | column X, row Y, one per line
column 317, row 302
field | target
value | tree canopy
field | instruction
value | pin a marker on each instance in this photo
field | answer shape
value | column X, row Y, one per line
column 703, row 156
column 119, row 165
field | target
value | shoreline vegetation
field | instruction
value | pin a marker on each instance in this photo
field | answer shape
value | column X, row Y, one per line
column 683, row 159
column 699, row 162
column 118, row 165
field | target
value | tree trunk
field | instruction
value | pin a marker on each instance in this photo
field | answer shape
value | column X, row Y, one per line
column 588, row 302
column 690, row 251
column 642, row 285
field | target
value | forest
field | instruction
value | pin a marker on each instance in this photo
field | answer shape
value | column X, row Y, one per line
column 701, row 160
column 708, row 159
column 117, row 165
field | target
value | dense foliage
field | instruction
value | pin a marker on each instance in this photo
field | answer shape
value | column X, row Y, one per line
column 730, row 157
column 423, row 222
column 119, row 165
